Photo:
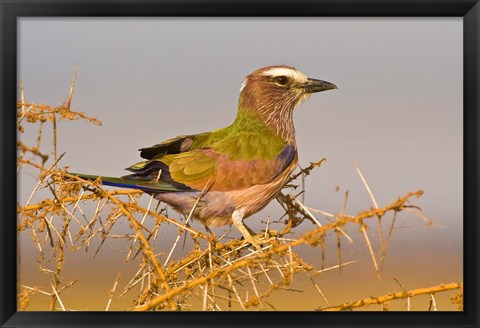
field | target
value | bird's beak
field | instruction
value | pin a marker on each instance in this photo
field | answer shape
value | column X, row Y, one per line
column 314, row 85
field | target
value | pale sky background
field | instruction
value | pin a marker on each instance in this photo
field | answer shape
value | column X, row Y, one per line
column 397, row 112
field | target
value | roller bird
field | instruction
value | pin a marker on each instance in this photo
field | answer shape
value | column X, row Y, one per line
column 226, row 175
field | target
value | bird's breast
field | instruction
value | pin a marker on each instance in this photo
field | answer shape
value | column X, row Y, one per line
column 256, row 197
column 215, row 207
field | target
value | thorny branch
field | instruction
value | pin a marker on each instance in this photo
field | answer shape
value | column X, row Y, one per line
column 392, row 296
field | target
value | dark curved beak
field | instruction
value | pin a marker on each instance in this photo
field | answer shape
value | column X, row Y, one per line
column 314, row 85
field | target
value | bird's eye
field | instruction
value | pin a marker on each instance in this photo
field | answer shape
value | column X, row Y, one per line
column 282, row 80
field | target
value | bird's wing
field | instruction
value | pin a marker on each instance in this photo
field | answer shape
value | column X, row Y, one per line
column 175, row 145
column 154, row 175
column 198, row 168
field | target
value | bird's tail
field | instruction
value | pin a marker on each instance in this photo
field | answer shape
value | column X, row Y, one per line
column 147, row 186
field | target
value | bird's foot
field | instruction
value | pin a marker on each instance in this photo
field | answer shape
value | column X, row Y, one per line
column 237, row 220
column 248, row 238
column 255, row 241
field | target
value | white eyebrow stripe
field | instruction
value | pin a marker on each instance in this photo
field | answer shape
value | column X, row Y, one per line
column 244, row 84
column 279, row 71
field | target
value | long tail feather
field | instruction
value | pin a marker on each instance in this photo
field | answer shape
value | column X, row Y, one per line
column 148, row 186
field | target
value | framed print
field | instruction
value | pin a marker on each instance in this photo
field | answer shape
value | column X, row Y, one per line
column 234, row 164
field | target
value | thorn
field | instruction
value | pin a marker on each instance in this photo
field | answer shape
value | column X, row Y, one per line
column 68, row 101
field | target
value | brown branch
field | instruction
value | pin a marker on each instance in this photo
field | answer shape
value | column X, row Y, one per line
column 147, row 248
column 42, row 113
column 311, row 238
column 34, row 150
column 307, row 170
column 393, row 296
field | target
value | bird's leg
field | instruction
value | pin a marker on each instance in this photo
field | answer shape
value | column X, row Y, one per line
column 249, row 229
column 237, row 219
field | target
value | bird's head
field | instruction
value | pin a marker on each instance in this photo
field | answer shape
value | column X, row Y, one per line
column 279, row 86
column 274, row 91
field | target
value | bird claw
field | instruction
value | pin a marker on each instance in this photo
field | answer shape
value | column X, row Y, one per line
column 254, row 241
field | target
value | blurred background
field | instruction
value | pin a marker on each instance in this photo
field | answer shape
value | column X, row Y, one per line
column 397, row 114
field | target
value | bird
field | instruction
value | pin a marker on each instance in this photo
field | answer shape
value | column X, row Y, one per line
column 226, row 175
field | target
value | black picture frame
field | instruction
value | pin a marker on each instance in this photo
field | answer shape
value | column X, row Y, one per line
column 11, row 10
